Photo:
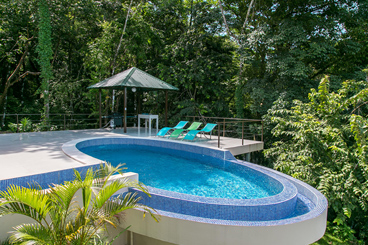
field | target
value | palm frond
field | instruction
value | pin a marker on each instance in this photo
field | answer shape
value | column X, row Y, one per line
column 87, row 189
column 30, row 234
column 62, row 199
column 106, row 193
column 63, row 195
column 128, row 201
column 25, row 201
column 134, row 184
column 89, row 182
column 104, row 173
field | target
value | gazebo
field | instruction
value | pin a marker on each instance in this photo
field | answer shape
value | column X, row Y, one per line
column 137, row 80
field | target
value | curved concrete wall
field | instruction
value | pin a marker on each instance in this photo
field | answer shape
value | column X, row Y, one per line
column 187, row 232
column 178, row 226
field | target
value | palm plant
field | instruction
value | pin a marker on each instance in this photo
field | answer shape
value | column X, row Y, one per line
column 59, row 219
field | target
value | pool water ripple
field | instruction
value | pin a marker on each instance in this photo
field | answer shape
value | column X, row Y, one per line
column 181, row 174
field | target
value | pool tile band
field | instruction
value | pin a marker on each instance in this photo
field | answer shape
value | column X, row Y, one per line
column 225, row 211
column 46, row 179
column 270, row 208
column 319, row 201
column 164, row 146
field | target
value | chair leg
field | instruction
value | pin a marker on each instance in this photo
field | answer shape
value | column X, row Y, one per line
column 204, row 135
column 182, row 133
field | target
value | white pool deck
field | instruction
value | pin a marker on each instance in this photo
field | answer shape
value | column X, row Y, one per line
column 27, row 154
column 24, row 154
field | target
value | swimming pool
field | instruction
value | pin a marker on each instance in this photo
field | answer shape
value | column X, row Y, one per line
column 277, row 205
column 294, row 213
column 183, row 174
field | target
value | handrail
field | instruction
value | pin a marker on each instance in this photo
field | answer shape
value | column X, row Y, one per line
column 70, row 121
column 223, row 121
column 51, row 114
column 228, row 118
column 223, row 127
column 59, row 120
column 63, row 117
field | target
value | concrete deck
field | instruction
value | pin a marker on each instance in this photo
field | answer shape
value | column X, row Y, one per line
column 26, row 154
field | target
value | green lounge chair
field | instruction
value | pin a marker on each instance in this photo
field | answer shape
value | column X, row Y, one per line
column 166, row 130
column 179, row 132
column 193, row 133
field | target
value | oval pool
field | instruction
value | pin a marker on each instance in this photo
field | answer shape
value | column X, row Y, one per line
column 183, row 174
column 296, row 213
column 279, row 202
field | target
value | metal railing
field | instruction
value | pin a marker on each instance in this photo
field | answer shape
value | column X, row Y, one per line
column 244, row 129
column 59, row 121
column 54, row 121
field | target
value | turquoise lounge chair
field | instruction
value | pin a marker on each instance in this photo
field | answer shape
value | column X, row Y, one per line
column 166, row 130
column 193, row 133
column 179, row 132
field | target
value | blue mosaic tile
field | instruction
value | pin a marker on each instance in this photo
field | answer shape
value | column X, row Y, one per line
column 274, row 210
column 45, row 179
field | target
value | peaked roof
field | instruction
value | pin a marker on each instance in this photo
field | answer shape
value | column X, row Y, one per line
column 133, row 78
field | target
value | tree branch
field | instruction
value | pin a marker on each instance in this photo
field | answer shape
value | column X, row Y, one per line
column 246, row 18
column 18, row 66
column 8, row 82
column 56, row 50
column 356, row 108
column 20, row 61
column 225, row 22
column 35, row 73
column 121, row 37
column 28, row 40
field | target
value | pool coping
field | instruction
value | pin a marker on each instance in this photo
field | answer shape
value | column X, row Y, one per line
column 72, row 151
column 317, row 198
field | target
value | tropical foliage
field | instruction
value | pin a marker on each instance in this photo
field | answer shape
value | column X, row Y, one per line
column 59, row 219
column 324, row 143
column 229, row 58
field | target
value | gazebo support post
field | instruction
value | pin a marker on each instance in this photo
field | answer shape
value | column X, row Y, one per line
column 113, row 100
column 139, row 102
column 139, row 81
column 125, row 110
column 166, row 108
column 100, row 116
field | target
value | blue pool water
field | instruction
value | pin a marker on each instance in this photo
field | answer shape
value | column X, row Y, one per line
column 183, row 175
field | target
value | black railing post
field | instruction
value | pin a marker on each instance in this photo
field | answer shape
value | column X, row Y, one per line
column 166, row 99
column 218, row 139
column 242, row 132
column 262, row 132
column 64, row 122
column 223, row 129
column 17, row 124
column 100, row 108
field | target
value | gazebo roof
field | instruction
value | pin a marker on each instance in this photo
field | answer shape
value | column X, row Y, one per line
column 133, row 78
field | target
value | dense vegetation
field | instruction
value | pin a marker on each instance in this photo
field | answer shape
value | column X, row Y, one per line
column 229, row 58
column 324, row 143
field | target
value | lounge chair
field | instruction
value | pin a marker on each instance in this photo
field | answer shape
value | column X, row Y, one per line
column 178, row 132
column 166, row 130
column 193, row 133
